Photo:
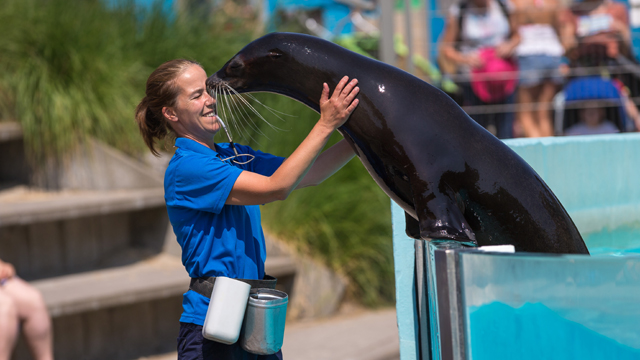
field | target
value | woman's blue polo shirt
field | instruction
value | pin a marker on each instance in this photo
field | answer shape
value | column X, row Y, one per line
column 216, row 239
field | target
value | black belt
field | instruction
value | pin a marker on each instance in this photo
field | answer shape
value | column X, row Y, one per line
column 204, row 286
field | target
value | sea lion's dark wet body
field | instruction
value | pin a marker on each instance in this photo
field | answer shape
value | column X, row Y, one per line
column 423, row 150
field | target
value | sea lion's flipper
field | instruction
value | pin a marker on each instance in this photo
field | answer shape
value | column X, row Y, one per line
column 440, row 217
column 413, row 226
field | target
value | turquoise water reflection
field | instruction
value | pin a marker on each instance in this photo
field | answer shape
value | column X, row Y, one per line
column 527, row 306
column 533, row 331
column 620, row 241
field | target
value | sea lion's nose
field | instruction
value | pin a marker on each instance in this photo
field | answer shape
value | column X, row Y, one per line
column 235, row 67
column 211, row 83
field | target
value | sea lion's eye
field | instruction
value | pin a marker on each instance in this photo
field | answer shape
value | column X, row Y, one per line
column 274, row 54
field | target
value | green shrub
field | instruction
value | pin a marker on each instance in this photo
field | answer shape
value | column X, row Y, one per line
column 77, row 68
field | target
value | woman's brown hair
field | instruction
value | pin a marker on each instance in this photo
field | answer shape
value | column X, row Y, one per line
column 161, row 91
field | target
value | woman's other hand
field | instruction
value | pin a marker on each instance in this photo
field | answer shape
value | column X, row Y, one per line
column 335, row 110
column 473, row 61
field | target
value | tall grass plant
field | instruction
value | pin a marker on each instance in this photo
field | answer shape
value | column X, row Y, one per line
column 73, row 68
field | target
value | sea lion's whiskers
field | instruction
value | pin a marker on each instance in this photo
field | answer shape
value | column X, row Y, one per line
column 231, row 120
column 246, row 116
column 236, row 115
column 239, row 117
column 246, row 102
column 270, row 109
column 223, row 106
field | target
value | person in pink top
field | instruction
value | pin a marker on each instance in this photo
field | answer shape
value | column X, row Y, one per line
column 475, row 29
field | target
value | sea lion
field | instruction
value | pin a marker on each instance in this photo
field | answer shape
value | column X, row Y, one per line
column 454, row 179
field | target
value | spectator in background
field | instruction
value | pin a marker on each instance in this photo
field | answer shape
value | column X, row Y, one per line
column 539, row 60
column 475, row 32
column 596, row 32
column 21, row 305
column 592, row 121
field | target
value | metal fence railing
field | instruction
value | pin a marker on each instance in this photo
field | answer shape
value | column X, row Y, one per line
column 417, row 28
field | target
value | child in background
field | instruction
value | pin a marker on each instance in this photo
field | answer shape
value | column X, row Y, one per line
column 592, row 121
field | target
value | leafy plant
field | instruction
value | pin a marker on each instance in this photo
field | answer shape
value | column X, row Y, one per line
column 78, row 68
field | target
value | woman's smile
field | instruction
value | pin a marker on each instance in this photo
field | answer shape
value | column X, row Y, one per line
column 195, row 108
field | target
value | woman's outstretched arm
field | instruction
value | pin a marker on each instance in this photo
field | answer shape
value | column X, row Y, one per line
column 252, row 189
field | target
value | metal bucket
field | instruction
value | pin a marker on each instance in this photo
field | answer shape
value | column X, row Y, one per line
column 263, row 327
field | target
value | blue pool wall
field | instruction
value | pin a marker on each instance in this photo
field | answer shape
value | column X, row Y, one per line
column 527, row 306
column 595, row 177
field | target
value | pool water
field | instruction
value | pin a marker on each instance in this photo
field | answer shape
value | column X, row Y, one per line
column 533, row 332
column 583, row 308
column 624, row 240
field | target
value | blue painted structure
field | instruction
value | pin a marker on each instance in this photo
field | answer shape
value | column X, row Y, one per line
column 515, row 298
column 168, row 6
column 335, row 16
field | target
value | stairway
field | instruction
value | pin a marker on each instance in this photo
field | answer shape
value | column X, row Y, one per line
column 92, row 234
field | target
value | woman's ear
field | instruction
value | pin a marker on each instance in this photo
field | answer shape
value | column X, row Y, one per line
column 169, row 114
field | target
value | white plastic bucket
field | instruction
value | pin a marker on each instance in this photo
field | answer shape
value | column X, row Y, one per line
column 226, row 310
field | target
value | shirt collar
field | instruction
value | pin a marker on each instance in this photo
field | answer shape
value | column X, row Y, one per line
column 192, row 145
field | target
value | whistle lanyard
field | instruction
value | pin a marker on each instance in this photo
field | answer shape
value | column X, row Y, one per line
column 233, row 146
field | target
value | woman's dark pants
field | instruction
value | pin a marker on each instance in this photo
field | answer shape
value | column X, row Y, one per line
column 192, row 346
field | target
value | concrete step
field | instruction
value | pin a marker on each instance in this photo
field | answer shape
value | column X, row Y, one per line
column 158, row 277
column 20, row 205
column 366, row 335
column 280, row 266
column 10, row 130
column 46, row 234
column 136, row 306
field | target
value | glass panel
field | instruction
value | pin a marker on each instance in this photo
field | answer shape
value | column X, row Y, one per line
column 532, row 306
column 432, row 294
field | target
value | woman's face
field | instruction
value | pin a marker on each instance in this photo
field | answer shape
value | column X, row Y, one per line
column 195, row 108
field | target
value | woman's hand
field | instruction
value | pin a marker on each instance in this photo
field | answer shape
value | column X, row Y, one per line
column 253, row 189
column 335, row 111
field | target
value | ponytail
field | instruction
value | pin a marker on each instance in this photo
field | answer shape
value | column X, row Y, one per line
column 161, row 91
